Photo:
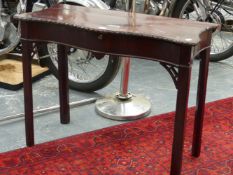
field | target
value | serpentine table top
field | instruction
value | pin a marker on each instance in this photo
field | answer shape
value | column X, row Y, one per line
column 118, row 30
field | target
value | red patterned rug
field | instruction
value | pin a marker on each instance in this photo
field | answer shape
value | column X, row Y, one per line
column 141, row 147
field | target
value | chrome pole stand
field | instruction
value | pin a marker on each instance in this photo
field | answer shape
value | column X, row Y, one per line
column 123, row 105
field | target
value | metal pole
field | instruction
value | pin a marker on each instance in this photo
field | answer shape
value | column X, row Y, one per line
column 124, row 106
column 50, row 109
column 123, row 94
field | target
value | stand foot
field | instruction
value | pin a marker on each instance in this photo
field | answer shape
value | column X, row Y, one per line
column 114, row 108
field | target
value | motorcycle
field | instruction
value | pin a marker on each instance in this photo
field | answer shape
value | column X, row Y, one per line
column 215, row 11
column 90, row 71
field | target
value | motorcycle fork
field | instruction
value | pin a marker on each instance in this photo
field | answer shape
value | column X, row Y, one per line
column 205, row 9
column 146, row 6
column 216, row 7
column 200, row 8
column 167, row 7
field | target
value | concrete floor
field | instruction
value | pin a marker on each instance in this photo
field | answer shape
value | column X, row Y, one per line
column 148, row 78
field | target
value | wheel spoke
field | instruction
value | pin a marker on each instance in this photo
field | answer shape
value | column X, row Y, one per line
column 83, row 67
column 222, row 40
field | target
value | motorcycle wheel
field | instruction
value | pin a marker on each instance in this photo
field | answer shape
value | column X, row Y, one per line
column 87, row 71
column 222, row 40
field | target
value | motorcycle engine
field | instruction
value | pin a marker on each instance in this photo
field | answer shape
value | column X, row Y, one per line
column 142, row 6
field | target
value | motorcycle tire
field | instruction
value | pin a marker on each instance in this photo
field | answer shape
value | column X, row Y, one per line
column 214, row 57
column 110, row 68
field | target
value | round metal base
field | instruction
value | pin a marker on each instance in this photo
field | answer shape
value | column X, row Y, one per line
column 131, row 109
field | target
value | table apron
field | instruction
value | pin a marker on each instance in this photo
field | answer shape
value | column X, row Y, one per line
column 108, row 42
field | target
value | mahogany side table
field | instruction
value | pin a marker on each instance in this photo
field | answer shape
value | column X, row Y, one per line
column 172, row 42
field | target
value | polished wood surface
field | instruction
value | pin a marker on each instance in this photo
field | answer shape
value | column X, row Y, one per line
column 170, row 29
column 172, row 42
column 167, row 35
